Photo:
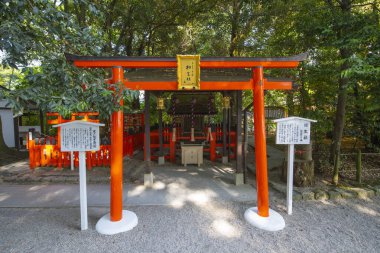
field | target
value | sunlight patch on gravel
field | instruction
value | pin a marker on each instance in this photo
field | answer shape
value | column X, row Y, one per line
column 366, row 210
column 137, row 191
column 36, row 187
column 201, row 197
column 224, row 228
column 4, row 196
column 159, row 185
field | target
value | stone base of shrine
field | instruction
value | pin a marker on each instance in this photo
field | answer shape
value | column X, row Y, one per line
column 239, row 178
column 148, row 179
column 161, row 160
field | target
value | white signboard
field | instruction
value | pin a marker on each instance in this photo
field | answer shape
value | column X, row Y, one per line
column 80, row 138
column 293, row 132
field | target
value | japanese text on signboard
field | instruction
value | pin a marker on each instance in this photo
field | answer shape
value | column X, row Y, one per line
column 293, row 132
column 79, row 138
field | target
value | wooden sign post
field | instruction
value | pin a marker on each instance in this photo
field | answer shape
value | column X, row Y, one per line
column 292, row 130
column 80, row 136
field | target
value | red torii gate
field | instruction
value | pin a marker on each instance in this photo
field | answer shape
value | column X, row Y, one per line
column 257, row 83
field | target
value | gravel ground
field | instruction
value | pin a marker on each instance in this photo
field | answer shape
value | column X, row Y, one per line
column 345, row 226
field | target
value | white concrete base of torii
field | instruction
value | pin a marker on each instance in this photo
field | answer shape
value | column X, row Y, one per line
column 107, row 227
column 274, row 222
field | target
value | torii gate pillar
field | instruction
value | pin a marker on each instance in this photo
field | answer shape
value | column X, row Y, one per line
column 261, row 216
column 118, row 220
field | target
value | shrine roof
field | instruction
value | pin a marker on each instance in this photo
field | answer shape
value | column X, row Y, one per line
column 72, row 58
column 171, row 62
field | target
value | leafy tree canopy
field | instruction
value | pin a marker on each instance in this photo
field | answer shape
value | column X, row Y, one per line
column 339, row 82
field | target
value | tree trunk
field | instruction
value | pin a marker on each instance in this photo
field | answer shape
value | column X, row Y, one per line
column 303, row 173
column 140, row 49
column 359, row 118
column 345, row 54
column 290, row 103
column 66, row 6
column 107, row 27
column 340, row 113
column 234, row 27
column 128, row 46
column 303, row 93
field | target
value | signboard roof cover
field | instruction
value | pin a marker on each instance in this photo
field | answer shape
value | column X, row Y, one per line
column 80, row 122
column 293, row 118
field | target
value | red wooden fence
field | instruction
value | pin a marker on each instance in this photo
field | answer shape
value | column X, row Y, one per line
column 46, row 152
column 43, row 154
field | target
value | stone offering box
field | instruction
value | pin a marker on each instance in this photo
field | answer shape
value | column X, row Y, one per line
column 192, row 154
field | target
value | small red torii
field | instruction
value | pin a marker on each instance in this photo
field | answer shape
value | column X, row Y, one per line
column 257, row 84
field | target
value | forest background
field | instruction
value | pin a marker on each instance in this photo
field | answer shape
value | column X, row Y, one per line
column 338, row 85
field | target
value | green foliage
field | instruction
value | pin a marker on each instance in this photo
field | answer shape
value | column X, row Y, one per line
column 342, row 44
